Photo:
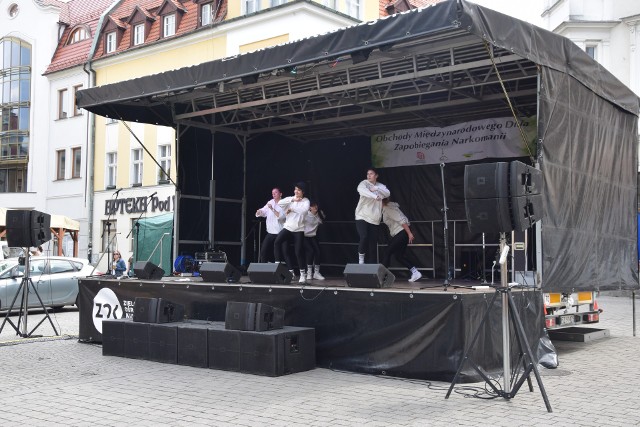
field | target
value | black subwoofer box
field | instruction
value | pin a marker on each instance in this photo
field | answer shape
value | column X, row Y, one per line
column 163, row 342
column 192, row 344
column 136, row 340
column 113, row 337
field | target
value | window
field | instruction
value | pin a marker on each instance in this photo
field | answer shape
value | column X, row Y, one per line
column 353, row 8
column 57, row 266
column 169, row 25
column 136, row 167
column 329, row 3
column 591, row 51
column 60, row 159
column 112, row 168
column 251, row 6
column 205, row 14
column 78, row 35
column 109, row 229
column 76, row 155
column 15, row 112
column 138, row 34
column 63, row 101
column 164, row 158
column 76, row 111
column 277, row 2
column 111, row 42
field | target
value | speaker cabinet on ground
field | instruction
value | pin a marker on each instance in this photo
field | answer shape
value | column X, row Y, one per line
column 268, row 317
column 272, row 353
column 145, row 310
column 27, row 228
column 147, row 270
column 168, row 311
column 192, row 344
column 240, row 316
column 219, row 272
column 113, row 337
column 269, row 273
column 163, row 342
column 136, row 340
column 368, row 276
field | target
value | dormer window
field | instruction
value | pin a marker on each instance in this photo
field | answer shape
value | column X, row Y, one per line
column 169, row 25
column 138, row 34
column 110, row 43
column 79, row 34
column 251, row 6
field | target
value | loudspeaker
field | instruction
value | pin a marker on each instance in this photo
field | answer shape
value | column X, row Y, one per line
column 163, row 343
column 488, row 215
column 113, row 337
column 269, row 273
column 526, row 210
column 192, row 344
column 136, row 340
column 271, row 353
column 240, row 316
column 268, row 317
column 169, row 311
column 368, row 276
column 27, row 228
column 486, row 181
column 219, row 272
column 145, row 310
column 524, row 179
column 147, row 270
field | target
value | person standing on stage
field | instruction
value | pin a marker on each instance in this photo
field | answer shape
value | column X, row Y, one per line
column 311, row 247
column 401, row 236
column 295, row 208
column 368, row 215
column 118, row 266
column 275, row 218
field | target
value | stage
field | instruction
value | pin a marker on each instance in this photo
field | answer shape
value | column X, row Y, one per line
column 411, row 330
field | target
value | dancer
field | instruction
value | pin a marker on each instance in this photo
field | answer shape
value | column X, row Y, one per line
column 368, row 214
column 275, row 218
column 295, row 208
column 401, row 236
column 311, row 247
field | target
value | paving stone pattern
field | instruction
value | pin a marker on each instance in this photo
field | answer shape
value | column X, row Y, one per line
column 50, row 381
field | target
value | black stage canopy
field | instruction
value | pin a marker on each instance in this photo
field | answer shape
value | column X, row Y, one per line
column 435, row 66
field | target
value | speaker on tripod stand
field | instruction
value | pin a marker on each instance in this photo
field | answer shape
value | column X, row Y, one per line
column 26, row 228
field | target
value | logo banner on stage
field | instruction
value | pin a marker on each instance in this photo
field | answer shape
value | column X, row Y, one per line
column 463, row 142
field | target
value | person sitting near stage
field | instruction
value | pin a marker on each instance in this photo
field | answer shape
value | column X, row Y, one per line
column 401, row 236
column 295, row 208
column 311, row 247
column 368, row 214
column 118, row 266
column 275, row 219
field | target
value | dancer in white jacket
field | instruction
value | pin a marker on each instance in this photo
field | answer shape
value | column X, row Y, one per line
column 311, row 247
column 401, row 236
column 275, row 219
column 368, row 215
column 295, row 209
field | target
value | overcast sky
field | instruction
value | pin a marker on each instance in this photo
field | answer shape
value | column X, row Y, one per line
column 527, row 10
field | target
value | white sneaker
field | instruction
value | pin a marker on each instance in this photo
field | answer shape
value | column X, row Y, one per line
column 318, row 276
column 293, row 274
column 415, row 276
column 302, row 278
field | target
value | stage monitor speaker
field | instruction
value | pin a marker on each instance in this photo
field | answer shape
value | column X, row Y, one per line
column 147, row 270
column 26, row 228
column 269, row 273
column 145, row 310
column 268, row 317
column 169, row 311
column 219, row 272
column 368, row 276
column 240, row 316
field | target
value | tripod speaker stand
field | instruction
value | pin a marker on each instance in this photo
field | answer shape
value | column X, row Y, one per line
column 26, row 286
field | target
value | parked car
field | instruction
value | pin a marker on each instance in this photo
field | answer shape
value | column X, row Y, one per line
column 55, row 278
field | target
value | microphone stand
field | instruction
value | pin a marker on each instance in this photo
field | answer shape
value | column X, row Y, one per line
column 137, row 226
column 445, row 208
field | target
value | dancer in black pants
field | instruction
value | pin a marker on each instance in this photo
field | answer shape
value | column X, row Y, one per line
column 401, row 236
column 368, row 214
column 275, row 218
column 295, row 209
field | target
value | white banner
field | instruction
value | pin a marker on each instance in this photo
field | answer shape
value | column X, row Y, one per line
column 493, row 138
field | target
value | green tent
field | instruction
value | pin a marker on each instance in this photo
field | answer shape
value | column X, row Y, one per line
column 155, row 241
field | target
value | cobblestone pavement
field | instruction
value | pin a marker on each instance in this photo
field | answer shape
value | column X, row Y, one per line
column 60, row 381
